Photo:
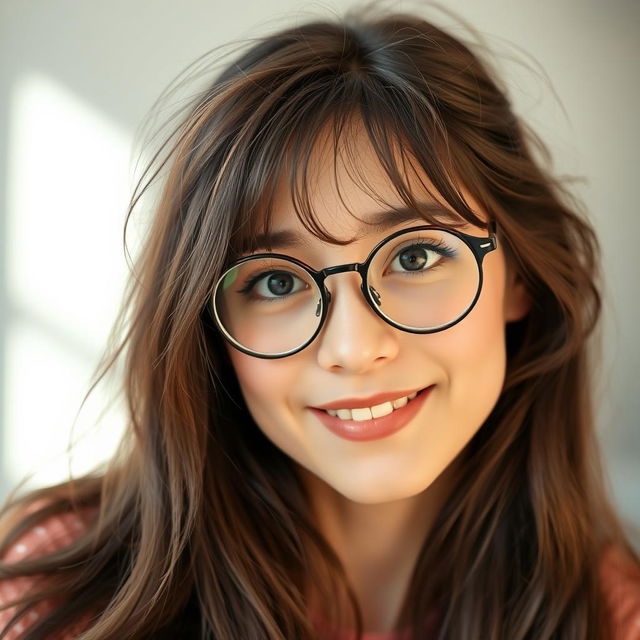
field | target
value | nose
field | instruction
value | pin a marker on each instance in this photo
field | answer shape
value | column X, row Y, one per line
column 354, row 339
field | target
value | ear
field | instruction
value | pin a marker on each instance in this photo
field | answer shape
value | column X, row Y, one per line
column 517, row 301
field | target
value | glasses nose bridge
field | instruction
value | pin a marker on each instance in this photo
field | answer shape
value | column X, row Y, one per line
column 341, row 268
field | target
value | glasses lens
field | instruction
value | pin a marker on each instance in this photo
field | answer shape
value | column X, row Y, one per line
column 268, row 305
column 420, row 280
column 424, row 279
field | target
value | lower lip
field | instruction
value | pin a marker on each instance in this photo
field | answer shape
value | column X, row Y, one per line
column 376, row 428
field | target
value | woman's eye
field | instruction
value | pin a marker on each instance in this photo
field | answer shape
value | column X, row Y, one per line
column 415, row 258
column 275, row 284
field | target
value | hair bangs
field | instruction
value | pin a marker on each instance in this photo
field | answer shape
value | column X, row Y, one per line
column 317, row 134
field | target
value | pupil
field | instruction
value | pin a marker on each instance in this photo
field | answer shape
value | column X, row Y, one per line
column 279, row 283
column 413, row 259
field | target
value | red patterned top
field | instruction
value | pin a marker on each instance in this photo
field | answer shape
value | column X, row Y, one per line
column 54, row 533
column 620, row 581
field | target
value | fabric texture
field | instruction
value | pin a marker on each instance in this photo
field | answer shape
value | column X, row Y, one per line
column 620, row 584
column 54, row 533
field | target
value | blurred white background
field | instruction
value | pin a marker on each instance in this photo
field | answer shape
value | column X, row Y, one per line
column 77, row 79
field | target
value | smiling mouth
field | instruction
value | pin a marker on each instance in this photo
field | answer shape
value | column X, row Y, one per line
column 377, row 411
column 373, row 423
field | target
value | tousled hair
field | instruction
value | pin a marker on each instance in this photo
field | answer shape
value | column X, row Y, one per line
column 200, row 526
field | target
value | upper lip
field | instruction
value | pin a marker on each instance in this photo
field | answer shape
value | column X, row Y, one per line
column 369, row 401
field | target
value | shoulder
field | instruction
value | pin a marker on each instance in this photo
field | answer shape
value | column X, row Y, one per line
column 620, row 582
column 53, row 533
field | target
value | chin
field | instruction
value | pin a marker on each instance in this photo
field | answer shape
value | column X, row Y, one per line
column 380, row 491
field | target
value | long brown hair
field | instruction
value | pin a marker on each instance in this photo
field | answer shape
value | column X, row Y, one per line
column 200, row 526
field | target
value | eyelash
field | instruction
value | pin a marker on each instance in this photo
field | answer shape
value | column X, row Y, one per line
column 440, row 247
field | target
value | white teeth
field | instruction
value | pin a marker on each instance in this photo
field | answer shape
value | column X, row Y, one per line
column 367, row 413
column 361, row 414
column 400, row 402
column 380, row 410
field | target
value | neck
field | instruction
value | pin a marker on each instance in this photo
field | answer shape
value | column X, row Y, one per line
column 378, row 544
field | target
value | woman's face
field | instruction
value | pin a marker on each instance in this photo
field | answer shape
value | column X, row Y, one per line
column 358, row 355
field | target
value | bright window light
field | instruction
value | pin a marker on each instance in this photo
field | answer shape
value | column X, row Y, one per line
column 68, row 187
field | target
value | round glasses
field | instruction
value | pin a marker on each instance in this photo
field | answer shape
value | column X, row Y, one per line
column 421, row 280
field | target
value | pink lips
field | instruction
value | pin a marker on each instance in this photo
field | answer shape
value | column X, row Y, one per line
column 376, row 428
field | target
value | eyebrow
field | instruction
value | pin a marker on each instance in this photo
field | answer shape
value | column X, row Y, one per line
column 377, row 223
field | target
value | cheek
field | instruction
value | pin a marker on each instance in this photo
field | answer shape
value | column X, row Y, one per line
column 266, row 386
column 473, row 353
column 260, row 381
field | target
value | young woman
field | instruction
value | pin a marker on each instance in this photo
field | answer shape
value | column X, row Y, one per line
column 357, row 373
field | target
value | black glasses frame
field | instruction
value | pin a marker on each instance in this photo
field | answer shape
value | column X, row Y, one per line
column 479, row 246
